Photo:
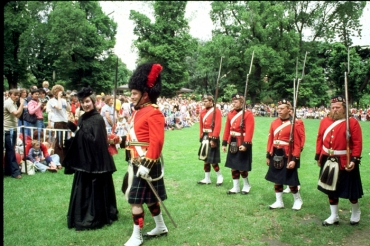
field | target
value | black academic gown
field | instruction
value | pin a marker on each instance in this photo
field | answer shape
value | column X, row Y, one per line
column 93, row 200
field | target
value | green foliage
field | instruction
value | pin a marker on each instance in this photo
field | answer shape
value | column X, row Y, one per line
column 166, row 41
column 74, row 40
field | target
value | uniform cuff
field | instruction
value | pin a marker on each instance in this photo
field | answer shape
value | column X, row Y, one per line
column 268, row 155
column 148, row 163
column 356, row 159
column 247, row 145
column 317, row 156
column 224, row 143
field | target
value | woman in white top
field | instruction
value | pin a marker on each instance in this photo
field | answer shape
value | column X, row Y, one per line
column 59, row 107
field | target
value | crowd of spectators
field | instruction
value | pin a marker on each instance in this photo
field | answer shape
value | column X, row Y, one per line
column 54, row 107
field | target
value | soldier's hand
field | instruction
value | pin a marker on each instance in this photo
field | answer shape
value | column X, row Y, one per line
column 242, row 148
column 213, row 144
column 291, row 165
column 142, row 172
column 350, row 167
column 268, row 161
column 224, row 148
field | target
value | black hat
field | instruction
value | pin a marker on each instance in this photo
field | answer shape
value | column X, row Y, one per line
column 338, row 98
column 86, row 92
column 147, row 78
column 237, row 96
column 284, row 101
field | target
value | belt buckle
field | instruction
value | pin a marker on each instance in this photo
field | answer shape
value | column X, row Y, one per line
column 233, row 134
column 331, row 152
column 277, row 141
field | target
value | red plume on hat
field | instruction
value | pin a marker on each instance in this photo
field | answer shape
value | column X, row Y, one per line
column 153, row 75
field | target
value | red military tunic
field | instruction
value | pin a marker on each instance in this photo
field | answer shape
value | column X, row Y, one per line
column 241, row 160
column 148, row 123
column 280, row 138
column 335, row 140
column 232, row 128
column 205, row 122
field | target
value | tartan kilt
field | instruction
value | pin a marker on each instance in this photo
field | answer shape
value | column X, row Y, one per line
column 282, row 176
column 140, row 191
column 213, row 155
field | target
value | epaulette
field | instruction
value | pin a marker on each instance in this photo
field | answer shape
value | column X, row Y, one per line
column 155, row 105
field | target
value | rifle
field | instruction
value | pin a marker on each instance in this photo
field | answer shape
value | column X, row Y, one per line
column 294, row 80
column 114, row 98
column 291, row 136
column 216, row 96
column 348, row 134
column 245, row 94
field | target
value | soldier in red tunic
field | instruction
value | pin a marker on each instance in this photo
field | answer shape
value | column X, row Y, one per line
column 302, row 134
column 280, row 170
column 239, row 156
column 209, row 151
column 343, row 180
column 146, row 136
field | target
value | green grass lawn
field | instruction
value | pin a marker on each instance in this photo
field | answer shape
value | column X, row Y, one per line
column 35, row 207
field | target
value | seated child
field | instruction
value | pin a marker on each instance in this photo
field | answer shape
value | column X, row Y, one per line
column 42, row 164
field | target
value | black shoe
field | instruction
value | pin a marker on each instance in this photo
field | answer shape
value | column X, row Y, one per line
column 146, row 235
column 231, row 192
column 218, row 184
column 354, row 223
column 324, row 223
column 244, row 193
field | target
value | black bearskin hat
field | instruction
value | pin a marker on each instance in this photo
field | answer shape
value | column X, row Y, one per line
column 147, row 78
column 86, row 92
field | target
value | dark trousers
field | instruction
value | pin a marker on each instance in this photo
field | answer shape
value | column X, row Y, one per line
column 11, row 165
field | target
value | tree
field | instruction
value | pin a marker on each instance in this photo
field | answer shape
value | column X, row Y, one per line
column 73, row 40
column 166, row 41
column 359, row 68
column 261, row 27
column 15, row 23
column 326, row 20
column 83, row 38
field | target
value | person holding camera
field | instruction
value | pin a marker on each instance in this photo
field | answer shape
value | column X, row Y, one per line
column 59, row 108
column 36, row 107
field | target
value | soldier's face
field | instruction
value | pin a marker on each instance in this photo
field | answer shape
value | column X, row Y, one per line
column 237, row 104
column 337, row 111
column 337, row 107
column 207, row 103
column 283, row 111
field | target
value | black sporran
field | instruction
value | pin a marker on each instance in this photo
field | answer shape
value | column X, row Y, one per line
column 278, row 158
column 233, row 147
column 278, row 162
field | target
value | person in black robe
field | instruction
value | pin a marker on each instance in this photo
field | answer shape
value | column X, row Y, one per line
column 93, row 201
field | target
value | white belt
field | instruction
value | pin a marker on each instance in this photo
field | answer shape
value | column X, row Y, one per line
column 334, row 152
column 280, row 142
column 207, row 130
column 236, row 134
